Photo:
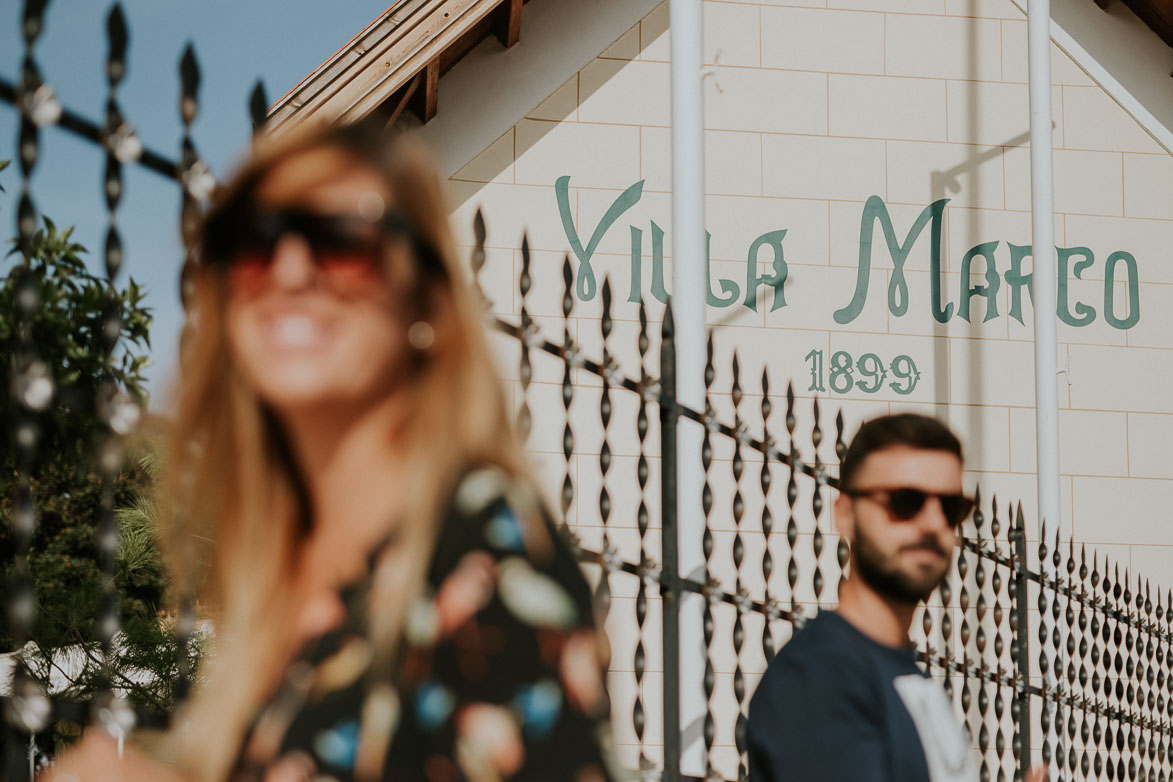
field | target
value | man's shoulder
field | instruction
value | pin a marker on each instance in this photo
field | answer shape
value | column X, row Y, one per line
column 819, row 680
column 827, row 633
column 820, row 655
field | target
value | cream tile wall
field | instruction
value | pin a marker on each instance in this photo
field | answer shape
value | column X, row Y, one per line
column 815, row 108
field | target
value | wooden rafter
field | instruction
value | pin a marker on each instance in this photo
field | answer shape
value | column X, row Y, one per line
column 1157, row 14
column 425, row 99
column 408, row 92
column 508, row 23
column 377, row 74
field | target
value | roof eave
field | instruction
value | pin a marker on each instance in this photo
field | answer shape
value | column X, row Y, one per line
column 392, row 51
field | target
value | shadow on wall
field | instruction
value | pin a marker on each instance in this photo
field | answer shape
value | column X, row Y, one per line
column 946, row 184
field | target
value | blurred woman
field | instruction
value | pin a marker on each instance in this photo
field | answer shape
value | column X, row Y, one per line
column 390, row 599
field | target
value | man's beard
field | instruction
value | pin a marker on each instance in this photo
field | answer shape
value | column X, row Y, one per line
column 887, row 579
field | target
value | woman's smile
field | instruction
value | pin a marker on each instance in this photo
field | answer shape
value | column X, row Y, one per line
column 295, row 331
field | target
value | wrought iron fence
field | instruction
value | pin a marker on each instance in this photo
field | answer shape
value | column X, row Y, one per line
column 1106, row 696
column 1097, row 677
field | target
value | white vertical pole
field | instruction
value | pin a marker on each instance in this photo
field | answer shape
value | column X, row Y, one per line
column 1044, row 283
column 688, row 300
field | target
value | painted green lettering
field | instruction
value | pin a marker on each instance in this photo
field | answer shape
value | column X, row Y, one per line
column 586, row 285
column 941, row 312
column 637, row 250
column 776, row 279
column 1084, row 314
column 728, row 287
column 989, row 291
column 1110, row 291
column 876, row 210
column 1017, row 280
column 658, row 289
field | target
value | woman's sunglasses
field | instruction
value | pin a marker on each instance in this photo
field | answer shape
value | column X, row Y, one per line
column 347, row 249
column 904, row 503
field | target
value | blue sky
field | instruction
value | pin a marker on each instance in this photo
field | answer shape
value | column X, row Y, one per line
column 236, row 43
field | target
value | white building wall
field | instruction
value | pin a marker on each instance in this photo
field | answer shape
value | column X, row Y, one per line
column 815, row 108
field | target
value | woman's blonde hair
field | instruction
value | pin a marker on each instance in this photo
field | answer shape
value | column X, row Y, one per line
column 244, row 509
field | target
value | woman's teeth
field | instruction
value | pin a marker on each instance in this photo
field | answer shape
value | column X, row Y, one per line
column 295, row 331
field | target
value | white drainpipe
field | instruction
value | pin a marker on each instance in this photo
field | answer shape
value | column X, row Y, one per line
column 1044, row 283
column 688, row 301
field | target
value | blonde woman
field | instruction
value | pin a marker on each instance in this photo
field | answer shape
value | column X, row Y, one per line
column 390, row 599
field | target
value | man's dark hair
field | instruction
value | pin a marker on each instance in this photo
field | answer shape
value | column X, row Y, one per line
column 908, row 429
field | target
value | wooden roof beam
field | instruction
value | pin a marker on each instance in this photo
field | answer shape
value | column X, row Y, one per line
column 507, row 25
column 405, row 96
column 426, row 96
column 1157, row 14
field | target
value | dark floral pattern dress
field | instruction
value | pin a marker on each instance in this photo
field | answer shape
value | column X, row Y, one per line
column 499, row 674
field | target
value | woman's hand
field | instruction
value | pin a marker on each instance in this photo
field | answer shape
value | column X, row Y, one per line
column 95, row 759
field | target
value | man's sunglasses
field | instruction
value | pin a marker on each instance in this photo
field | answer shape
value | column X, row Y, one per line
column 347, row 249
column 904, row 503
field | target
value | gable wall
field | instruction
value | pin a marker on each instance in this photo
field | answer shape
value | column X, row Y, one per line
column 813, row 111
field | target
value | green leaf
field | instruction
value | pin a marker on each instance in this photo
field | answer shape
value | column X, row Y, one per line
column 63, row 557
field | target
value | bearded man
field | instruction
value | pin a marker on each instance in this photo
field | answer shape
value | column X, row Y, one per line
column 844, row 700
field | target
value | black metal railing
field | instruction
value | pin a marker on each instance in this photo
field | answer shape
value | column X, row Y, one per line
column 1054, row 658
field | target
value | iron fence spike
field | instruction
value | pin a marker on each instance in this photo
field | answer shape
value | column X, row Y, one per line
column 33, row 21
column 840, row 445
column 710, row 372
column 478, row 228
column 649, row 571
column 189, row 77
column 603, row 590
column 643, row 331
column 765, row 481
column 117, row 37
column 527, row 337
column 711, row 586
column 741, row 596
column 567, row 281
column 735, row 387
column 258, row 108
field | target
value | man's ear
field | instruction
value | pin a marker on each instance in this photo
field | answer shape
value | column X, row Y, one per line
column 844, row 517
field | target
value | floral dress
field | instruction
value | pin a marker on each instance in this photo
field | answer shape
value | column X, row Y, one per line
column 499, row 674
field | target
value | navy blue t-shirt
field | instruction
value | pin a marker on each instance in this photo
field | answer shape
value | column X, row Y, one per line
column 836, row 706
